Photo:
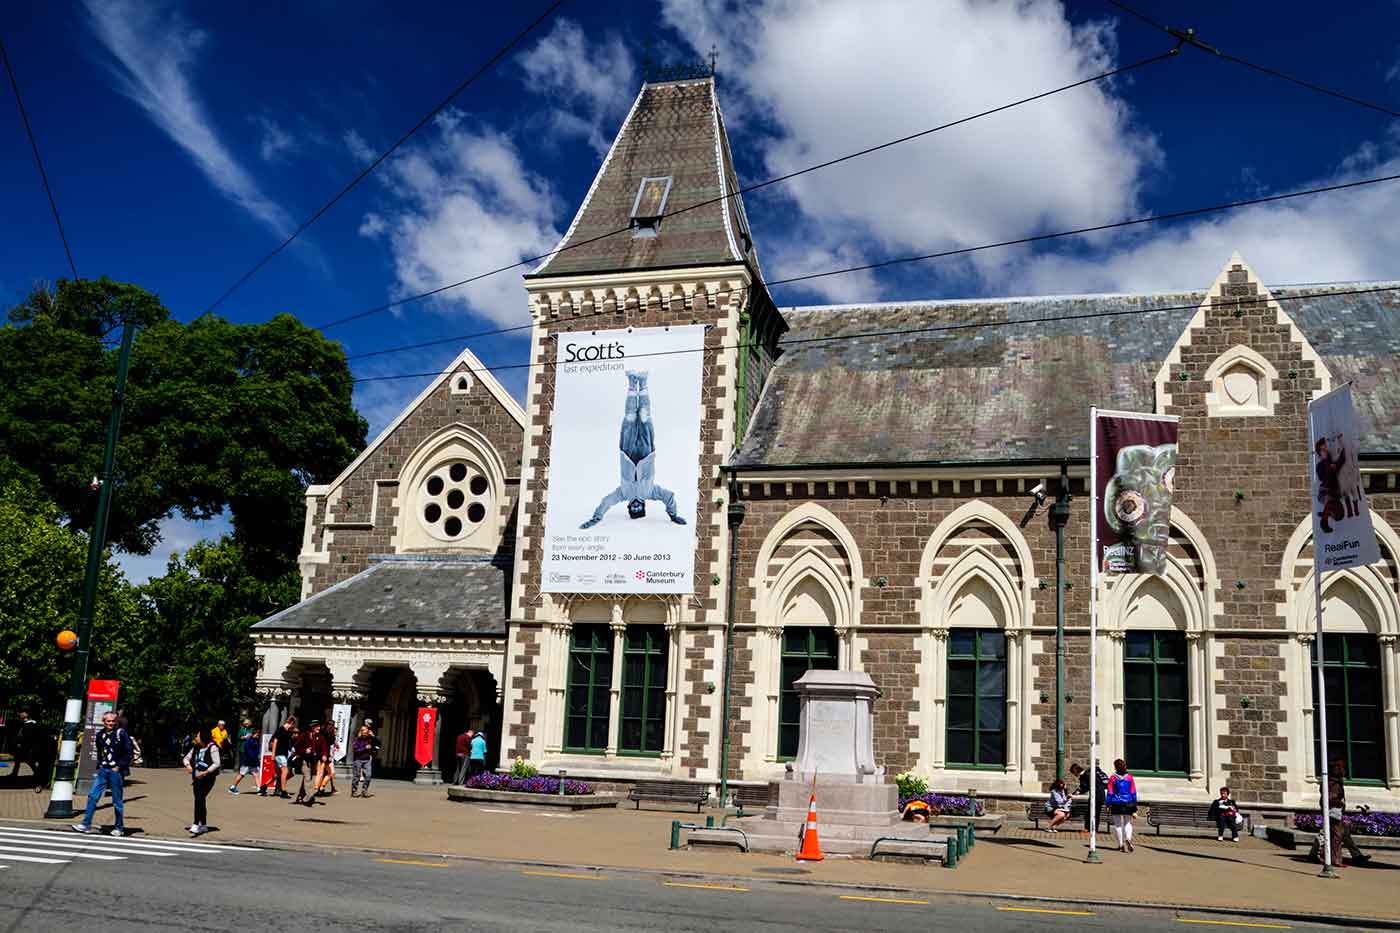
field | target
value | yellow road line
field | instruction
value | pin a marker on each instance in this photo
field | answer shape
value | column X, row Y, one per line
column 1237, row 923
column 707, row 887
column 882, row 900
column 410, row 861
column 565, row 874
column 1041, row 910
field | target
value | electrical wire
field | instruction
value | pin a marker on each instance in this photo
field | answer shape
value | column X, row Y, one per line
column 903, row 332
column 43, row 175
column 470, row 79
column 1020, row 241
column 1262, row 69
column 399, row 302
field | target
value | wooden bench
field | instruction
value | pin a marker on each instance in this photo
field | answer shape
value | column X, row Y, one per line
column 752, row 797
column 1186, row 815
column 669, row 792
column 1078, row 810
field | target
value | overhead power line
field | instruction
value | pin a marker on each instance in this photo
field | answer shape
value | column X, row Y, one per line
column 408, row 299
column 34, row 145
column 1020, row 241
column 1189, row 38
column 467, row 82
column 902, row 332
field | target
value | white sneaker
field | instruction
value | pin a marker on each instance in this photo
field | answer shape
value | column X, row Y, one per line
column 118, row 831
column 199, row 830
column 1219, row 838
column 191, row 828
column 81, row 828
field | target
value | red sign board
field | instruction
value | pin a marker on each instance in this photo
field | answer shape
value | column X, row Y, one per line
column 426, row 728
column 103, row 690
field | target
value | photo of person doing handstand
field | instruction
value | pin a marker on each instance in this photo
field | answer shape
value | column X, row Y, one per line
column 636, row 460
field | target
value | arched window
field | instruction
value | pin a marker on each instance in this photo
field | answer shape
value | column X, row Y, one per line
column 450, row 494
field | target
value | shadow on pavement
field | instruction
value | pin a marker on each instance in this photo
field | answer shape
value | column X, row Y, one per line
column 1221, row 858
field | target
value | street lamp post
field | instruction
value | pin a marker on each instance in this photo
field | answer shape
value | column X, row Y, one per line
column 61, row 797
column 1059, row 517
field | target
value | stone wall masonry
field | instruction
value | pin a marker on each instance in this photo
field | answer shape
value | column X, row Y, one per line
column 349, row 549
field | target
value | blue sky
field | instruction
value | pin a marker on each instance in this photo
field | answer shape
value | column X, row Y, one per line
column 183, row 139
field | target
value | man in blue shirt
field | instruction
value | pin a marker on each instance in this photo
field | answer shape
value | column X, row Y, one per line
column 114, row 754
column 478, row 753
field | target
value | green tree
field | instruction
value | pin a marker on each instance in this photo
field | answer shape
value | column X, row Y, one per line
column 41, row 577
column 218, row 415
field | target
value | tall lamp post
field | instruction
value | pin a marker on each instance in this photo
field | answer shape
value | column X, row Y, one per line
column 1059, row 517
column 65, row 776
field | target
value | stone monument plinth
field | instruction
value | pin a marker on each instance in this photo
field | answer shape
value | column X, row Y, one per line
column 836, row 757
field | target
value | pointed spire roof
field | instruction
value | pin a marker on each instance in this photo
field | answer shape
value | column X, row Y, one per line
column 674, row 131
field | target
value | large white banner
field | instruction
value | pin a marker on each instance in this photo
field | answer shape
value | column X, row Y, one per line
column 624, row 462
column 1342, row 530
column 340, row 715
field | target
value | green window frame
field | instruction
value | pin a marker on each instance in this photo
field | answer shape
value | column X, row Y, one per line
column 645, row 656
column 589, row 695
column 975, row 732
column 805, row 648
column 1156, row 703
column 1351, row 666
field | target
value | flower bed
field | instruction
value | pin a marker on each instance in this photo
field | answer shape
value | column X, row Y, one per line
column 1361, row 824
column 947, row 804
column 530, row 785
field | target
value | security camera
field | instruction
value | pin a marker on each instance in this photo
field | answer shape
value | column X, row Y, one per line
column 1039, row 492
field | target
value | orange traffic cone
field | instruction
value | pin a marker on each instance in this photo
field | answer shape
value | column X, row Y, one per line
column 808, row 848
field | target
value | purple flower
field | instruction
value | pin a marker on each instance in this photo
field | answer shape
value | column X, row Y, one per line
column 532, row 785
column 1361, row 824
column 948, row 804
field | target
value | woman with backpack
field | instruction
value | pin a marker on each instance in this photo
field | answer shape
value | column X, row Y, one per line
column 1122, row 803
column 202, row 763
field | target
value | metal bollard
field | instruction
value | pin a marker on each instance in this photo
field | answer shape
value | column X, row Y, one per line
column 950, row 855
column 710, row 822
column 971, row 835
column 675, row 834
column 562, row 775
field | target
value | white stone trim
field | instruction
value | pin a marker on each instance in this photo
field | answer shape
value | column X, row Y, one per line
column 1218, row 401
column 450, row 442
column 723, row 205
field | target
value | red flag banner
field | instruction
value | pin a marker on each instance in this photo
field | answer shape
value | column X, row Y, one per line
column 427, row 727
column 1134, row 475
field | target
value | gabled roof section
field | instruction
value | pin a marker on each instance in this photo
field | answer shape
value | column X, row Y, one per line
column 1012, row 379
column 405, row 596
column 465, row 362
column 674, row 130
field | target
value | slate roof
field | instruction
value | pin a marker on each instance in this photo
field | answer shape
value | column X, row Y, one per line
column 674, row 129
column 406, row 596
column 1022, row 391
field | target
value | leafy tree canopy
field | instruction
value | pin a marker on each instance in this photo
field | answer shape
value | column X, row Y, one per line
column 218, row 415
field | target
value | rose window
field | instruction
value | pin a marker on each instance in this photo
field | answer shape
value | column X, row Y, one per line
column 454, row 500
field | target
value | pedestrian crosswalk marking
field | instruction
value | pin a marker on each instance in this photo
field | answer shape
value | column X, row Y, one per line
column 56, row 847
column 5, row 849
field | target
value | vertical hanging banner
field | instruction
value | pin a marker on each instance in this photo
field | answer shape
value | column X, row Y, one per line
column 423, row 735
column 624, row 461
column 1341, row 517
column 340, row 715
column 1134, row 471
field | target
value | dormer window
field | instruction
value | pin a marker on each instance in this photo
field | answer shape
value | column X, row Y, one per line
column 650, row 206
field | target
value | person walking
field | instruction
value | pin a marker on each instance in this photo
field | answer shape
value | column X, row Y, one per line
column 1122, row 803
column 1100, row 789
column 249, row 757
column 362, row 753
column 202, row 763
column 280, row 748
column 463, row 749
column 114, row 754
column 1058, row 806
column 1336, row 816
column 1225, row 812
column 478, row 754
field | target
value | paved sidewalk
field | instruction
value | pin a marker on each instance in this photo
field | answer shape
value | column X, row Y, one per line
column 1252, row 875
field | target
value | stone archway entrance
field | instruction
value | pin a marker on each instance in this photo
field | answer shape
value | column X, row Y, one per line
column 469, row 703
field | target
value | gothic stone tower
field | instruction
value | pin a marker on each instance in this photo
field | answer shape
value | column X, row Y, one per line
column 661, row 239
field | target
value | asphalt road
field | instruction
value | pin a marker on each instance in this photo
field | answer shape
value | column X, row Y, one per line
column 142, row 885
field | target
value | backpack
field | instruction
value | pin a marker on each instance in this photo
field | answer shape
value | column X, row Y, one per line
column 1122, row 789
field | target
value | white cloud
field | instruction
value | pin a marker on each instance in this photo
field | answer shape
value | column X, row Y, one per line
column 1334, row 237
column 831, row 78
column 463, row 202
column 154, row 52
column 360, row 150
column 276, row 143
column 177, row 535
column 588, row 86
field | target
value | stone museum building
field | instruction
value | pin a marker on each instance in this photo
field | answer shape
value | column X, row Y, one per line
column 865, row 504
